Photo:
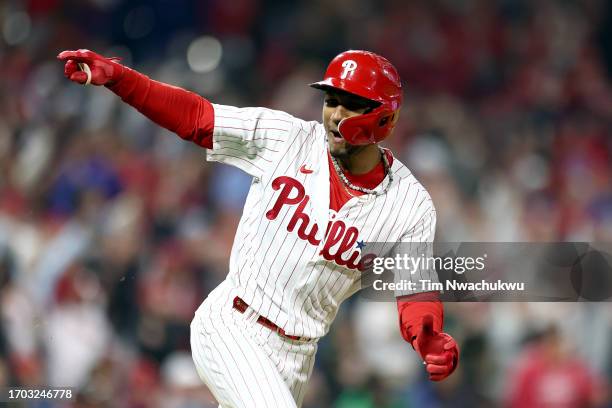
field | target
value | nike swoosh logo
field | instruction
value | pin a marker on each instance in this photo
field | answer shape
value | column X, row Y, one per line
column 304, row 170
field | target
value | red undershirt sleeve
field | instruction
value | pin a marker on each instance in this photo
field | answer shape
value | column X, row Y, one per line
column 183, row 112
column 413, row 308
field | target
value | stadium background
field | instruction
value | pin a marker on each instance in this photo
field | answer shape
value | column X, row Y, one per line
column 112, row 230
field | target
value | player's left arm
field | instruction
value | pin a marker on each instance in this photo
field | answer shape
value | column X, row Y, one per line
column 421, row 319
column 421, row 314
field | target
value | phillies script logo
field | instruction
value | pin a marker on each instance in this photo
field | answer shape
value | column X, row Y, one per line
column 292, row 193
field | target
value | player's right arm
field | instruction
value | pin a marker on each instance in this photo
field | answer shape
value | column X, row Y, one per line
column 248, row 138
column 185, row 113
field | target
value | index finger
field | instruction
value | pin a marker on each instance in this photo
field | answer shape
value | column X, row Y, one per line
column 77, row 55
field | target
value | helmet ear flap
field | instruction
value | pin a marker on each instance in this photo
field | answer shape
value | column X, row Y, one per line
column 389, row 119
column 368, row 128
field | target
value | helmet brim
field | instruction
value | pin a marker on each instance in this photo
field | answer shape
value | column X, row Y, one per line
column 343, row 86
column 328, row 85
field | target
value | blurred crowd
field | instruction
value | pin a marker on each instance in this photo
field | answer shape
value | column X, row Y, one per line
column 112, row 230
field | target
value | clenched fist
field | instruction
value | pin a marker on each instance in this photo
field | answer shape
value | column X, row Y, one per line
column 104, row 71
column 439, row 351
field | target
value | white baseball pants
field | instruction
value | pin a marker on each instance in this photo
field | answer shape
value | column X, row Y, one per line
column 243, row 363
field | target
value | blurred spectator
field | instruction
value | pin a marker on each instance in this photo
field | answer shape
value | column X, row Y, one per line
column 76, row 331
column 547, row 375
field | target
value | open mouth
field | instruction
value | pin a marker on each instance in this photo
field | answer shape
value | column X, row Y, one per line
column 336, row 136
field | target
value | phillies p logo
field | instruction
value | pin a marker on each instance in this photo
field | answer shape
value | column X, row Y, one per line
column 349, row 66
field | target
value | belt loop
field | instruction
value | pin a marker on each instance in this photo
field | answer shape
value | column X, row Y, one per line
column 248, row 313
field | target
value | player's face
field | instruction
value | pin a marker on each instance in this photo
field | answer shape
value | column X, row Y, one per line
column 337, row 106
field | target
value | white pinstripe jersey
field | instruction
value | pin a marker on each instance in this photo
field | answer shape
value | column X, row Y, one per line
column 293, row 259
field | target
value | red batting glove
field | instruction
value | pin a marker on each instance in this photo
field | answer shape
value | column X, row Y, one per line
column 439, row 351
column 104, row 71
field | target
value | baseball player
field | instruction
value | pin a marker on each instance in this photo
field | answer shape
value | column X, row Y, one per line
column 319, row 192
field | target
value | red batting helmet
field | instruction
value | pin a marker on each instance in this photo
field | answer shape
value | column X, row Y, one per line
column 370, row 76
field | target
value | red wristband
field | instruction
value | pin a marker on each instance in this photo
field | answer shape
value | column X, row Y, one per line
column 413, row 308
